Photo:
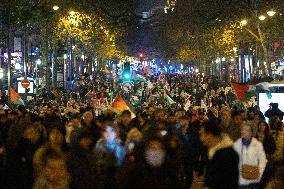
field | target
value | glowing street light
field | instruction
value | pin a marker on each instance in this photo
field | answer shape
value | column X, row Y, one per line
column 244, row 22
column 55, row 7
column 262, row 17
column 72, row 13
column 271, row 13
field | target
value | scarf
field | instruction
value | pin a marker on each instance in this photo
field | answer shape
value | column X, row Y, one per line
column 246, row 142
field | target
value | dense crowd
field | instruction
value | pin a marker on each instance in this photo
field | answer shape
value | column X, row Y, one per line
column 189, row 132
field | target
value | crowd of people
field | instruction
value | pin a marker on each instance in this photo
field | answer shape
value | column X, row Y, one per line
column 188, row 132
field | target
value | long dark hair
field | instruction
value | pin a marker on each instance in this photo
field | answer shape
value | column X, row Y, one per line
column 266, row 130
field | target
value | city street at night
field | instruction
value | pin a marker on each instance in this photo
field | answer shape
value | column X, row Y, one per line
column 141, row 94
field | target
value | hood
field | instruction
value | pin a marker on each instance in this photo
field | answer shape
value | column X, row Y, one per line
column 225, row 143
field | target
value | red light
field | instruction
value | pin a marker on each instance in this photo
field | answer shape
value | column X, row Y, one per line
column 141, row 55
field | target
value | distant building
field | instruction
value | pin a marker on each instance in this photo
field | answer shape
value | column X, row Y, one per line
column 147, row 8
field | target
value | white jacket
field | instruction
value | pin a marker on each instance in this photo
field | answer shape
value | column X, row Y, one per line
column 252, row 155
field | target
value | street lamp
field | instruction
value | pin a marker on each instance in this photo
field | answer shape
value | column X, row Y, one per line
column 271, row 13
column 262, row 17
column 72, row 13
column 55, row 7
column 244, row 22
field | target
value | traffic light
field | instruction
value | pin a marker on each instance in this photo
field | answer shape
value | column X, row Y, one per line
column 126, row 74
column 141, row 55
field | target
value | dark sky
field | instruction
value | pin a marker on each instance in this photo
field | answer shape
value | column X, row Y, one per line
column 146, row 5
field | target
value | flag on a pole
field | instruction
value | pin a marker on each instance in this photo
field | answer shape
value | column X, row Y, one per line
column 120, row 105
column 240, row 90
column 15, row 98
column 169, row 100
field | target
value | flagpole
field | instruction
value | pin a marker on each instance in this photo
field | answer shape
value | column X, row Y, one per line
column 9, row 66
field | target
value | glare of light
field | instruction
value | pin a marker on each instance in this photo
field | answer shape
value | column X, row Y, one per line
column 83, row 56
column 72, row 13
column 232, row 60
column 55, row 7
column 38, row 61
column 223, row 59
column 181, row 66
column 196, row 70
column 73, row 47
column 271, row 13
column 235, row 49
column 65, row 56
column 1, row 73
column 127, row 76
column 244, row 22
column 102, row 28
column 18, row 66
column 262, row 17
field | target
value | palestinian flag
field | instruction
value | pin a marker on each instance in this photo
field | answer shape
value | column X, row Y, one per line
column 169, row 100
column 240, row 90
column 120, row 105
column 15, row 98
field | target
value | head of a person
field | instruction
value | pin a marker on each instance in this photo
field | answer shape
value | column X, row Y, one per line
column 263, row 127
column 110, row 132
column 184, row 121
column 85, row 139
column 237, row 117
column 88, row 117
column 49, row 111
column 155, row 153
column 134, row 135
column 251, row 113
column 32, row 133
column 56, row 134
column 126, row 117
column 225, row 114
column 50, row 163
column 246, row 132
column 210, row 133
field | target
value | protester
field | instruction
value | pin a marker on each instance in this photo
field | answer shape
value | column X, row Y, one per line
column 109, row 154
column 97, row 144
column 51, row 169
column 252, row 159
column 152, row 170
column 81, row 161
column 222, row 169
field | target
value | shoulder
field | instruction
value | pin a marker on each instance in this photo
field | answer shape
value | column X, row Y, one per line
column 256, row 143
column 238, row 143
column 228, row 152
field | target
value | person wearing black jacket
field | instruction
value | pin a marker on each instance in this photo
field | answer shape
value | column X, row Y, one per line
column 274, row 111
column 191, row 146
column 222, row 171
column 81, row 161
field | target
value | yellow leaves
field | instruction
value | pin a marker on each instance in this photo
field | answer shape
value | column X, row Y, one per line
column 224, row 39
column 90, row 31
column 185, row 54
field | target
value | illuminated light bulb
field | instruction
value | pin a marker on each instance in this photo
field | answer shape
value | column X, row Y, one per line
column 271, row 13
column 262, row 17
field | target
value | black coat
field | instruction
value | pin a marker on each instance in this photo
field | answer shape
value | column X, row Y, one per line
column 223, row 170
column 82, row 169
column 19, row 166
column 141, row 176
